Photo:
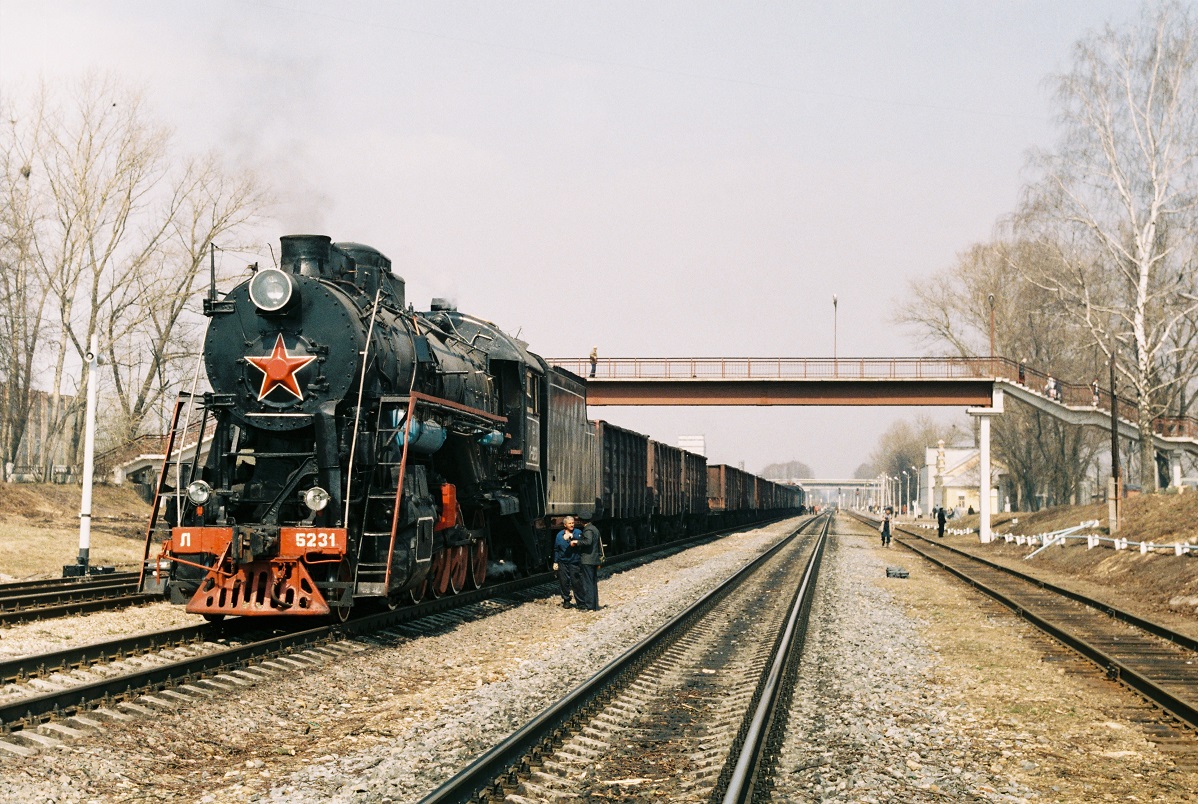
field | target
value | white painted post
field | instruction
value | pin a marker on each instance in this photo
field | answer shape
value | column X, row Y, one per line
column 984, row 479
column 1175, row 468
column 89, row 453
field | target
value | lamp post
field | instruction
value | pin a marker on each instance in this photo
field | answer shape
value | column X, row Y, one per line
column 915, row 474
column 990, row 301
column 906, row 487
column 835, row 365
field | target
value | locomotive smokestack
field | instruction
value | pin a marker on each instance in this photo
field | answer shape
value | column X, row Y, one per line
column 308, row 255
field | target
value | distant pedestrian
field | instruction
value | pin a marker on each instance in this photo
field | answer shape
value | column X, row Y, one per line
column 590, row 549
column 1052, row 389
column 1022, row 373
column 885, row 529
column 594, row 359
column 1094, row 391
column 566, row 560
column 940, row 520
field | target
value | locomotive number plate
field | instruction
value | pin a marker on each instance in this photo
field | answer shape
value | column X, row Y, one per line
column 298, row 541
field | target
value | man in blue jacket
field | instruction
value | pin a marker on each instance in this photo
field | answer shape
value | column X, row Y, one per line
column 565, row 559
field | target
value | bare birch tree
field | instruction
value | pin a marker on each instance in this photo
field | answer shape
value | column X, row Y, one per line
column 122, row 227
column 23, row 294
column 1116, row 202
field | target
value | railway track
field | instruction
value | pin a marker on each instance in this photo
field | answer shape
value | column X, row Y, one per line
column 22, row 601
column 46, row 697
column 690, row 708
column 1152, row 659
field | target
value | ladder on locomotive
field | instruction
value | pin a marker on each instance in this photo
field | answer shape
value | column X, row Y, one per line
column 173, row 467
column 380, row 496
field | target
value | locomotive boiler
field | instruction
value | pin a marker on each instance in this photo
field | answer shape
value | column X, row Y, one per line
column 359, row 449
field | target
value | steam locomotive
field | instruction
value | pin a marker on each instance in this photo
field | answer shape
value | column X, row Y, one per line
column 362, row 450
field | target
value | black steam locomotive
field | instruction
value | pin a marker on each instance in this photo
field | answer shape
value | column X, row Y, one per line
column 360, row 449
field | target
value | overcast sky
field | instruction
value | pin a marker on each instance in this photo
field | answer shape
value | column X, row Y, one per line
column 654, row 179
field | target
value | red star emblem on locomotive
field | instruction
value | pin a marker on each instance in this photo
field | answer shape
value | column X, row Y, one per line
column 279, row 369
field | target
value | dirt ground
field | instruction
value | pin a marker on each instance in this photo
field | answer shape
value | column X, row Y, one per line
column 39, row 528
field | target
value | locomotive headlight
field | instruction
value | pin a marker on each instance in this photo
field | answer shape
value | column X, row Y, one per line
column 271, row 289
column 199, row 492
column 316, row 498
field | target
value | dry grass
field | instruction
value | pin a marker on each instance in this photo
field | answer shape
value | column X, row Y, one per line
column 39, row 528
column 1163, row 518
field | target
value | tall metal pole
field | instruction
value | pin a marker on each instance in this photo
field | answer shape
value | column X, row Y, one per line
column 915, row 474
column 89, row 452
column 990, row 300
column 835, row 353
column 1114, row 495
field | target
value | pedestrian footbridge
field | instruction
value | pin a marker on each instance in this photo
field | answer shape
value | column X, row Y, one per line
column 979, row 383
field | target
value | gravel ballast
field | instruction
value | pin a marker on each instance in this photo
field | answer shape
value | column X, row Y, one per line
column 930, row 692
column 921, row 689
column 393, row 722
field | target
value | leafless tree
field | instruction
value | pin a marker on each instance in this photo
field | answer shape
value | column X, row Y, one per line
column 120, row 230
column 902, row 445
column 951, row 310
column 23, row 291
column 1115, row 203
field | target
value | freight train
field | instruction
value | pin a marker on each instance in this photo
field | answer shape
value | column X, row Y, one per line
column 363, row 451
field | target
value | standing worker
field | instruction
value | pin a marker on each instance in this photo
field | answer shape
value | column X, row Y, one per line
column 940, row 518
column 590, row 551
column 594, row 359
column 565, row 561
column 885, row 529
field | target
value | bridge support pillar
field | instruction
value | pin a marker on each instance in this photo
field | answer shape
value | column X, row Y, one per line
column 984, row 480
column 1175, row 469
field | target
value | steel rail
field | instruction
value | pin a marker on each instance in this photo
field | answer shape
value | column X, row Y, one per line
column 1156, row 629
column 1114, row 667
column 54, row 596
column 27, row 711
column 12, row 588
column 481, row 778
column 43, row 664
column 763, row 727
column 74, row 607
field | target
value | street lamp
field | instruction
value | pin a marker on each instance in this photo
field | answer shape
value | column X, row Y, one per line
column 834, row 302
column 906, row 487
column 915, row 474
column 990, row 300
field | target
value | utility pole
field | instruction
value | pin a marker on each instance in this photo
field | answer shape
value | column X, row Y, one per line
column 1113, row 490
column 835, row 371
column 990, row 300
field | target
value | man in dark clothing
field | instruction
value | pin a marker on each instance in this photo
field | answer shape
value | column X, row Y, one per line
column 565, row 561
column 940, row 519
column 589, row 545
